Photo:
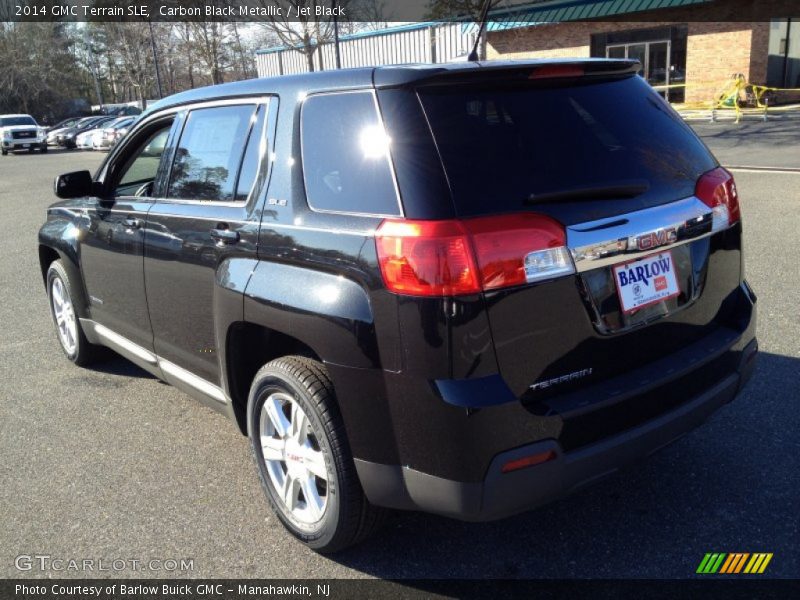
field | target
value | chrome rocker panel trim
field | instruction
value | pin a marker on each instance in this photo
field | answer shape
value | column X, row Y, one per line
column 195, row 386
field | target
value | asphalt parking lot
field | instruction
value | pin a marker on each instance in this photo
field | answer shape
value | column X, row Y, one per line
column 110, row 463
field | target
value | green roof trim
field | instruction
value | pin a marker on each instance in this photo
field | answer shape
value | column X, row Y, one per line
column 559, row 11
column 530, row 15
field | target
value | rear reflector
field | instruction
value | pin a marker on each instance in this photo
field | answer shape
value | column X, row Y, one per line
column 455, row 257
column 528, row 461
column 717, row 189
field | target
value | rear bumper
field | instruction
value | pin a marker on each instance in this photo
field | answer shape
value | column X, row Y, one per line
column 504, row 494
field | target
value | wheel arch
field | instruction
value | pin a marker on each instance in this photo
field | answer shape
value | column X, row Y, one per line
column 287, row 310
column 49, row 252
column 248, row 347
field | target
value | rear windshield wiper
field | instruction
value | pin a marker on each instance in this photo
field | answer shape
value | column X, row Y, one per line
column 626, row 189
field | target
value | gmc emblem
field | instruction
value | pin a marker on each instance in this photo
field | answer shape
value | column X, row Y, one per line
column 654, row 239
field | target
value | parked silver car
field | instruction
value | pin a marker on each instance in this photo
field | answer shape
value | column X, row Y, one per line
column 112, row 133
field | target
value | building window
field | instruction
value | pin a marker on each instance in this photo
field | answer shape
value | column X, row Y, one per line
column 783, row 63
column 661, row 50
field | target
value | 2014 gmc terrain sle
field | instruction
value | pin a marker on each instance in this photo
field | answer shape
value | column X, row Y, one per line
column 464, row 289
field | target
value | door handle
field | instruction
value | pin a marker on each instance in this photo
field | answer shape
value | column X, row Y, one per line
column 132, row 222
column 224, row 235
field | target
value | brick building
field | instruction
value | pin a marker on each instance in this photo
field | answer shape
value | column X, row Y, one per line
column 690, row 49
column 691, row 43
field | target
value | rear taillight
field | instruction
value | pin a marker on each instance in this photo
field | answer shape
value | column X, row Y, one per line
column 426, row 258
column 717, row 189
column 456, row 257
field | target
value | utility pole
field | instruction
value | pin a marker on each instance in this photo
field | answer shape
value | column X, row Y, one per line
column 155, row 60
column 336, row 35
column 93, row 65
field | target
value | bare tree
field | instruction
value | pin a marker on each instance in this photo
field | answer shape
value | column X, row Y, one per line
column 469, row 9
column 211, row 40
column 131, row 46
column 39, row 70
column 303, row 32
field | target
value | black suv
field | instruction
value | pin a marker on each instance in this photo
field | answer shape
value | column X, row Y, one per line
column 464, row 289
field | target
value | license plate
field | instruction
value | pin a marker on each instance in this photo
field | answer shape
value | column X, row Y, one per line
column 26, row 145
column 646, row 281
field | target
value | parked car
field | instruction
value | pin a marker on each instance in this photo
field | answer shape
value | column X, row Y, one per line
column 466, row 289
column 68, row 137
column 86, row 139
column 21, row 132
column 52, row 132
column 61, row 133
column 113, row 132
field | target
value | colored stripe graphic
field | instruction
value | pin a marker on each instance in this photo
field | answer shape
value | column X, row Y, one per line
column 733, row 563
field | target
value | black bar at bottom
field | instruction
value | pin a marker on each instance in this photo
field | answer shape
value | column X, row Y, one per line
column 729, row 588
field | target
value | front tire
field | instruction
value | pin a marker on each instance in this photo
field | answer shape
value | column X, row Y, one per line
column 68, row 327
column 300, row 448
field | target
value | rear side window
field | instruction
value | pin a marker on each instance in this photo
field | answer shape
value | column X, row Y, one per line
column 209, row 153
column 504, row 146
column 346, row 155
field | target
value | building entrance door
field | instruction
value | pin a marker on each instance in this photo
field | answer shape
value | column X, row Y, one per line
column 655, row 59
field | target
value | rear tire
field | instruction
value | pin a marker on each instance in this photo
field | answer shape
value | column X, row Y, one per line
column 303, row 458
column 4, row 152
column 44, row 149
column 68, row 326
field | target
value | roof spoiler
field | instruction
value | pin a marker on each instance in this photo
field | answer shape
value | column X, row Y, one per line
column 502, row 71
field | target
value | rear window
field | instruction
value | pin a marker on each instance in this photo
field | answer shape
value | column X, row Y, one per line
column 346, row 155
column 504, row 147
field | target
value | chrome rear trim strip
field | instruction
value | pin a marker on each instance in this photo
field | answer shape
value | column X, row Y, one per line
column 605, row 242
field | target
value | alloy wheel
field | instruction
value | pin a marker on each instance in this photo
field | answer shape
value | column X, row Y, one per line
column 295, row 462
column 64, row 315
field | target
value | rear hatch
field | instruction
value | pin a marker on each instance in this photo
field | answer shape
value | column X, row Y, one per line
column 656, row 267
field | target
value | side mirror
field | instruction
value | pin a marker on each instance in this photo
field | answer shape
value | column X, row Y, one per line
column 74, row 185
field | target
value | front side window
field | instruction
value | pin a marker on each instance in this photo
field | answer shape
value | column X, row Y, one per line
column 139, row 172
column 209, row 153
column 346, row 155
